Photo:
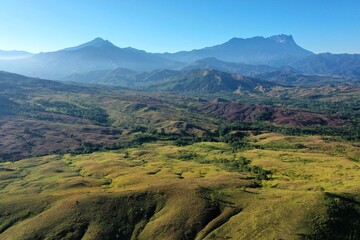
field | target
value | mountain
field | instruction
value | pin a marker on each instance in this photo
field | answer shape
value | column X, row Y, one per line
column 295, row 78
column 144, row 80
column 95, row 55
column 97, row 42
column 124, row 77
column 327, row 63
column 12, row 55
column 129, row 78
column 104, row 77
column 100, row 61
column 212, row 81
column 195, row 80
column 239, row 68
column 18, row 85
column 276, row 51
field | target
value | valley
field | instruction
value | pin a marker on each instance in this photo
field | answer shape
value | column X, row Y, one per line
column 252, row 138
column 81, row 161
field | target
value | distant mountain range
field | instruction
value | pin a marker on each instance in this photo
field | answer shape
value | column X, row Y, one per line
column 92, row 56
column 276, row 50
column 13, row 55
column 99, row 61
column 331, row 64
column 291, row 77
column 199, row 80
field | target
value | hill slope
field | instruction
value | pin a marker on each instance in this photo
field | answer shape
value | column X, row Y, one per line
column 212, row 81
column 201, row 191
column 239, row 68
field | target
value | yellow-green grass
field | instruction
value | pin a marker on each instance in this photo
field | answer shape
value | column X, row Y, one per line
column 318, row 165
column 163, row 191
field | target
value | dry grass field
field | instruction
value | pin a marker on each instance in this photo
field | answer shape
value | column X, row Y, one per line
column 163, row 191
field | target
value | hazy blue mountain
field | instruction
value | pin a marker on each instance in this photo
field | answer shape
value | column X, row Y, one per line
column 92, row 56
column 276, row 51
column 123, row 77
column 157, row 76
column 129, row 78
column 240, row 68
column 140, row 80
column 327, row 63
column 19, row 84
column 105, row 77
column 100, row 61
column 290, row 77
column 211, row 81
column 97, row 42
column 12, row 55
column 195, row 80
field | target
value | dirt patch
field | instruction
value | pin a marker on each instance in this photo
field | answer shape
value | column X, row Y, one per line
column 22, row 138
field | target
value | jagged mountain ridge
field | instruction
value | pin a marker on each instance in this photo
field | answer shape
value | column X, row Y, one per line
column 275, row 50
column 99, row 61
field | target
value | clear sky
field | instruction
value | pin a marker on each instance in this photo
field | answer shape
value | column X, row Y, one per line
column 173, row 25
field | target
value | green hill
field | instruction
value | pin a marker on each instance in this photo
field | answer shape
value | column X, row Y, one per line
column 98, row 162
column 212, row 81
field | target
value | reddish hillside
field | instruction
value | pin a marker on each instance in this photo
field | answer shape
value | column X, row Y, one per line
column 252, row 113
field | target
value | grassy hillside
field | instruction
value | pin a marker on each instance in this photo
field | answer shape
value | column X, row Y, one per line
column 213, row 81
column 200, row 191
column 94, row 162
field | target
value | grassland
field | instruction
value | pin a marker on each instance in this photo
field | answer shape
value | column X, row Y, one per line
column 163, row 191
column 92, row 162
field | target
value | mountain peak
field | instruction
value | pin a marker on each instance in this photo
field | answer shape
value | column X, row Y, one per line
column 236, row 39
column 97, row 43
column 282, row 38
column 97, row 40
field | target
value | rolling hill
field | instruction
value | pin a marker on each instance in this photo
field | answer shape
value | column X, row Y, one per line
column 239, row 68
column 102, row 162
column 212, row 81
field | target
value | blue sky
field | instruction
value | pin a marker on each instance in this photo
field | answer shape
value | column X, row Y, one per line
column 173, row 25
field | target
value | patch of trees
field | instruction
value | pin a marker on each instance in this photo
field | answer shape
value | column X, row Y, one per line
column 7, row 106
column 349, row 132
column 243, row 165
column 96, row 114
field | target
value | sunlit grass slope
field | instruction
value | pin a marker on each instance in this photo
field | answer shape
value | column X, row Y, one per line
column 283, row 187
